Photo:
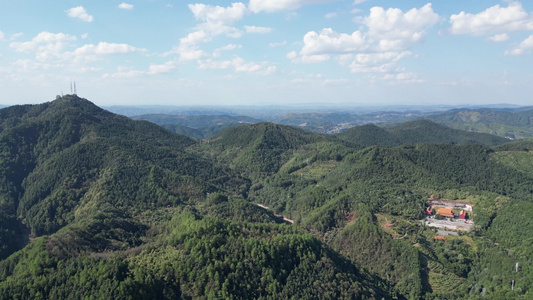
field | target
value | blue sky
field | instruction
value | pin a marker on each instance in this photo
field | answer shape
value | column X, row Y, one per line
column 268, row 51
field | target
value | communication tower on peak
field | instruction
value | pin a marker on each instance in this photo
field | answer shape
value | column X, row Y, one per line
column 75, row 93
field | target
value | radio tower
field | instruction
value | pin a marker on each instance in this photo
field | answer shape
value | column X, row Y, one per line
column 71, row 86
column 75, row 93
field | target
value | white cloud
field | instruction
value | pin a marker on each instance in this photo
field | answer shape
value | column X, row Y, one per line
column 498, row 38
column 335, row 81
column 2, row 36
column 45, row 45
column 280, row 5
column 161, row 69
column 330, row 15
column 358, row 1
column 397, row 30
column 104, row 48
column 15, row 36
column 216, row 20
column 403, row 78
column 238, row 64
column 85, row 35
column 217, row 14
column 328, row 41
column 229, row 47
column 153, row 69
column 257, row 29
column 292, row 55
column 125, row 5
column 493, row 20
column 524, row 46
column 79, row 12
column 377, row 62
column 378, row 50
column 277, row 44
column 188, row 48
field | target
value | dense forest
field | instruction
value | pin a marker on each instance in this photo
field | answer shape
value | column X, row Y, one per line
column 94, row 205
column 512, row 123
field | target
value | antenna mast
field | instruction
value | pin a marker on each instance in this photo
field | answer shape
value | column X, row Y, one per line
column 71, row 86
column 75, row 93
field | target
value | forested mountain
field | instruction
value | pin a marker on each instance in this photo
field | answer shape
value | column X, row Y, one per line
column 94, row 205
column 196, row 126
column 336, row 122
column 412, row 132
column 517, row 123
column 116, row 208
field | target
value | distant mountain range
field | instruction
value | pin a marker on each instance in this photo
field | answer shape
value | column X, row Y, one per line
column 508, row 122
column 515, row 123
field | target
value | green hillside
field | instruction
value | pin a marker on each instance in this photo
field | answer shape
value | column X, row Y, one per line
column 412, row 132
column 196, row 126
column 107, row 207
column 98, row 206
column 338, row 191
column 514, row 124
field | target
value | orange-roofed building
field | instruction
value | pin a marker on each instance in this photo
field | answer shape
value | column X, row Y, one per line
column 445, row 212
column 440, row 238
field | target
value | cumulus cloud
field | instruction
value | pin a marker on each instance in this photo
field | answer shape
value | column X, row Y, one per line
column 330, row 15
column 189, row 49
column 104, row 48
column 217, row 15
column 377, row 62
column 390, row 34
column 2, row 36
column 153, row 69
column 15, row 36
column 161, row 69
column 403, row 78
column 498, row 38
column 397, row 30
column 125, row 5
column 319, row 47
column 238, row 64
column 229, row 47
column 495, row 19
column 45, row 45
column 330, row 42
column 280, row 5
column 524, row 46
column 257, row 29
column 277, row 44
column 79, row 12
column 216, row 20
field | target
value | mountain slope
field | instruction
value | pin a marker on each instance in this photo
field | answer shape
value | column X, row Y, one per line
column 412, row 132
column 62, row 156
column 196, row 126
column 261, row 148
column 125, row 209
column 514, row 124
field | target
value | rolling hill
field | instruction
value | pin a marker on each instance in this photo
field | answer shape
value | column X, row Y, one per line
column 413, row 132
column 515, row 123
column 95, row 205
column 100, row 206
